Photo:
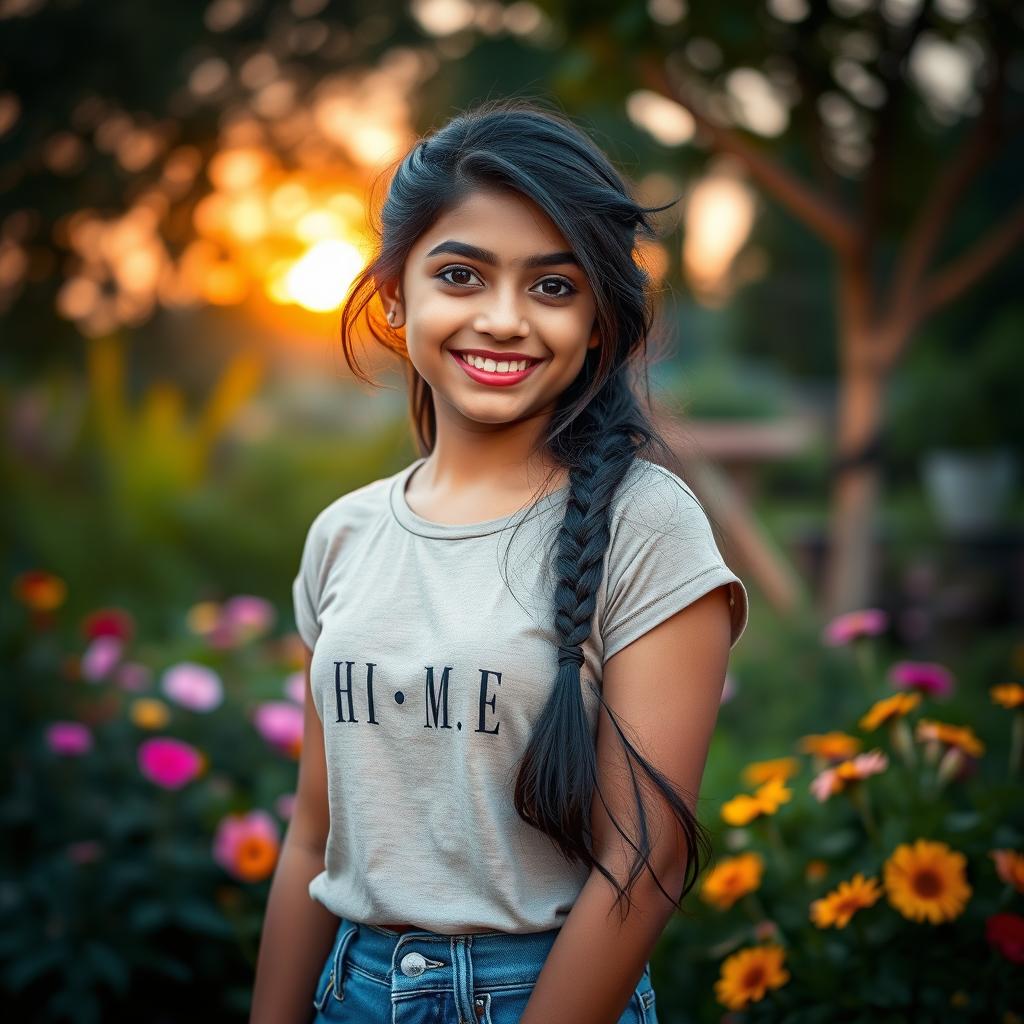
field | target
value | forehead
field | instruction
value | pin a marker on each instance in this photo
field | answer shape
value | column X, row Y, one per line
column 507, row 223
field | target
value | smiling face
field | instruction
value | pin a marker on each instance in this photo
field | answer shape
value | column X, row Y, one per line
column 494, row 277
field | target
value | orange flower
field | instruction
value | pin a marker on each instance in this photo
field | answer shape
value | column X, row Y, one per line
column 960, row 736
column 835, row 909
column 39, row 590
column 743, row 809
column 781, row 768
column 255, row 857
column 1009, row 867
column 747, row 975
column 832, row 746
column 1008, row 695
column 926, row 881
column 896, row 706
column 732, row 879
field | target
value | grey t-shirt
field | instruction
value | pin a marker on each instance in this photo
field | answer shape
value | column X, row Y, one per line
column 433, row 658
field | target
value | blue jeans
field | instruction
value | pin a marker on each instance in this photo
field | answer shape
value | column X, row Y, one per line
column 377, row 976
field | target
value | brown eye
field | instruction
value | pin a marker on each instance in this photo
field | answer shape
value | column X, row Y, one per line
column 561, row 281
column 443, row 275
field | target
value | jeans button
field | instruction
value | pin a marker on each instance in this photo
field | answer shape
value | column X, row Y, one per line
column 413, row 965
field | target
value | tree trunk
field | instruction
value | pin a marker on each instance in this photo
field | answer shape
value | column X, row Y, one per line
column 851, row 573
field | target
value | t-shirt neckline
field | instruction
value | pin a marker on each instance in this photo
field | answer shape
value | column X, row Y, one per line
column 415, row 523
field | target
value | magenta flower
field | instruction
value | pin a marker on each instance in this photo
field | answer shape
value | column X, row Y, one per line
column 100, row 657
column 133, row 676
column 285, row 805
column 195, row 687
column 68, row 739
column 168, row 762
column 295, row 687
column 280, row 724
column 927, row 677
column 844, row 629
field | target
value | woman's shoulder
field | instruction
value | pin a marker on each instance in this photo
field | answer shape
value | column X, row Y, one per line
column 653, row 497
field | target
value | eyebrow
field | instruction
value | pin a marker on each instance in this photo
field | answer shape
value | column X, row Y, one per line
column 474, row 252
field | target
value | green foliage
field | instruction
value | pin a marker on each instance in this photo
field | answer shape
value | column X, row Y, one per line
column 961, row 393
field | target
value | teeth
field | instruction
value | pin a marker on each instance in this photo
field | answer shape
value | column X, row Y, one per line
column 491, row 366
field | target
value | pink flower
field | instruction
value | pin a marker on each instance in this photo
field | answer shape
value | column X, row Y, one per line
column 248, row 616
column 845, row 628
column 927, row 677
column 246, row 845
column 280, row 724
column 295, row 687
column 100, row 657
column 285, row 805
column 168, row 762
column 133, row 676
column 68, row 739
column 195, row 687
column 238, row 620
column 825, row 784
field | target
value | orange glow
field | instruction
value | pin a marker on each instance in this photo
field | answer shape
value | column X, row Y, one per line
column 320, row 280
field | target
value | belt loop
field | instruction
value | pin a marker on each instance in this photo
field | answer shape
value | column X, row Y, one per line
column 339, row 960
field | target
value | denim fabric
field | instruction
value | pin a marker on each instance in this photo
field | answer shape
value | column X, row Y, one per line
column 378, row 976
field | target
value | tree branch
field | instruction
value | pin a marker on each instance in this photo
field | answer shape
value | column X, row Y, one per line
column 826, row 220
column 960, row 274
column 948, row 188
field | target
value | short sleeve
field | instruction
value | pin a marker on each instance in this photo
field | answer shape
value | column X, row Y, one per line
column 306, row 586
column 662, row 556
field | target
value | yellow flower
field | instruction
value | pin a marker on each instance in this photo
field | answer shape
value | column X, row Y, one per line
column 747, row 975
column 149, row 713
column 835, row 908
column 741, row 810
column 781, row 768
column 926, row 881
column 960, row 736
column 896, row 706
column 732, row 879
column 1008, row 695
column 772, row 795
column 833, row 746
column 1009, row 867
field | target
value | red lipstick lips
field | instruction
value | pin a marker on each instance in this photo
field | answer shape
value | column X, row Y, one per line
column 494, row 378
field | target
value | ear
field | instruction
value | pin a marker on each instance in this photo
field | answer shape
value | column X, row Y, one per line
column 391, row 298
column 595, row 338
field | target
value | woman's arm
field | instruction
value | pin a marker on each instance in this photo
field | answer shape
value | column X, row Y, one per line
column 297, row 931
column 665, row 689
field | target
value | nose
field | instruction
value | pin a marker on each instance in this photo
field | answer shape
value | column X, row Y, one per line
column 501, row 318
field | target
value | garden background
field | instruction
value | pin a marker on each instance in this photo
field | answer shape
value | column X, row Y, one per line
column 184, row 198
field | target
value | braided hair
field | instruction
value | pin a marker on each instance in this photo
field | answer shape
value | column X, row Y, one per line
column 598, row 430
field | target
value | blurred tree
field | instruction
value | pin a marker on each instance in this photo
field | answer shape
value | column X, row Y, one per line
column 870, row 122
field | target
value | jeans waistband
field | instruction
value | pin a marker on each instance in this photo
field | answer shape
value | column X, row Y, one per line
column 419, row 959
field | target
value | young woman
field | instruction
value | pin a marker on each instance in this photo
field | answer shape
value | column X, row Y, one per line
column 516, row 645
